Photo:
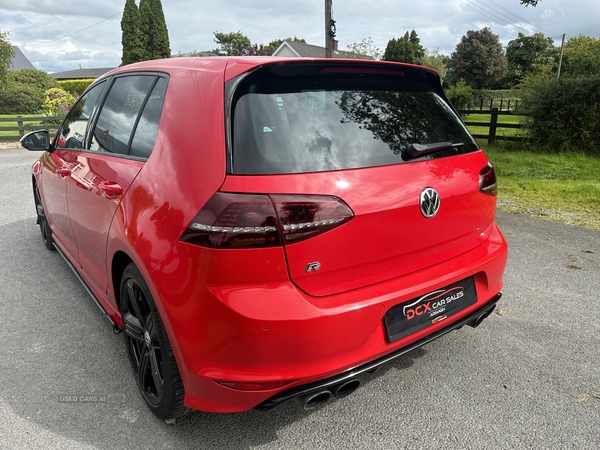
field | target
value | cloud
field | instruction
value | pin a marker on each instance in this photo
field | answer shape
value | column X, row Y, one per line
column 60, row 35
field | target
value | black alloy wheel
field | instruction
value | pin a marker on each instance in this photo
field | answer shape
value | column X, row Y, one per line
column 148, row 348
column 42, row 220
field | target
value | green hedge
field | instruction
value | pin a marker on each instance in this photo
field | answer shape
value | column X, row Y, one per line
column 564, row 115
column 76, row 87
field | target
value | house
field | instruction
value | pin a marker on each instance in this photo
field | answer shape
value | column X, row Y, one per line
column 79, row 74
column 302, row 50
column 20, row 61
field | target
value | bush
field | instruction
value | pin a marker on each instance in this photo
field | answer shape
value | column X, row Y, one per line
column 57, row 101
column 23, row 92
column 34, row 78
column 460, row 95
column 76, row 87
column 564, row 115
column 19, row 98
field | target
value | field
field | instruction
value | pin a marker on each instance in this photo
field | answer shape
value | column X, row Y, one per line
column 562, row 186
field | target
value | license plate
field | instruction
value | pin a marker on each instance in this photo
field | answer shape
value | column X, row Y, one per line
column 409, row 317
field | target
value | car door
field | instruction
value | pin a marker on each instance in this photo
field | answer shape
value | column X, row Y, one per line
column 58, row 164
column 117, row 147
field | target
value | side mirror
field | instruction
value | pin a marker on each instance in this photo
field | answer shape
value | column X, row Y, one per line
column 36, row 140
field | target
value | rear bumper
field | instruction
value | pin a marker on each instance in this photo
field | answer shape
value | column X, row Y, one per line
column 331, row 384
column 270, row 331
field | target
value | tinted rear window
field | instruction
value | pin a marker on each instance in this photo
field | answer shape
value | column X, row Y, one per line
column 317, row 118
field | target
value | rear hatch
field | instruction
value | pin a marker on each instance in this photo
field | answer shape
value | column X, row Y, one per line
column 371, row 173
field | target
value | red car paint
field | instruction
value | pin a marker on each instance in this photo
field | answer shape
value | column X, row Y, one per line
column 242, row 318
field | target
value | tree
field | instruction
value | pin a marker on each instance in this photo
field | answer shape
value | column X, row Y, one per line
column 365, row 49
column 582, row 56
column 233, row 44
column 437, row 62
column 131, row 39
column 153, row 30
column 479, row 59
column 161, row 45
column 529, row 56
column 407, row 49
column 399, row 50
column 419, row 50
column 6, row 56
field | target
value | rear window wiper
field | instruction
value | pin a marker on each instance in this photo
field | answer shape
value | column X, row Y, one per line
column 417, row 150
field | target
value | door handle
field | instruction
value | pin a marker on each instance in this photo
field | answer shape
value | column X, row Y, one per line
column 111, row 189
column 64, row 171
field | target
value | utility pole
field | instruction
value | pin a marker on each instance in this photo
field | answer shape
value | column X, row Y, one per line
column 562, row 49
column 329, row 29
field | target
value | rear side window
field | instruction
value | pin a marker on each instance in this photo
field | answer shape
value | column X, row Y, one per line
column 147, row 128
column 128, row 120
column 330, row 118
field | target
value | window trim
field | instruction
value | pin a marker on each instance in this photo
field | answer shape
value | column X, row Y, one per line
column 91, row 125
column 89, row 133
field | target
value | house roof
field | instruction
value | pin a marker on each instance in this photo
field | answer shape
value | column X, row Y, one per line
column 303, row 50
column 20, row 61
column 80, row 73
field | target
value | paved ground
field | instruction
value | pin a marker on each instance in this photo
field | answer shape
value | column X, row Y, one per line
column 526, row 378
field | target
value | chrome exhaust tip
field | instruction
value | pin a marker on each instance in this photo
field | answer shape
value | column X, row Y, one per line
column 347, row 388
column 316, row 400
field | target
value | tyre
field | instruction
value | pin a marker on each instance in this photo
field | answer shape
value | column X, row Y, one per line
column 149, row 349
column 42, row 220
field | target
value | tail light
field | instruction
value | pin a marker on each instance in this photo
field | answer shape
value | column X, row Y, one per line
column 487, row 180
column 249, row 221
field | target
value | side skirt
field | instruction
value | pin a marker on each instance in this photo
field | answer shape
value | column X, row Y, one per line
column 116, row 329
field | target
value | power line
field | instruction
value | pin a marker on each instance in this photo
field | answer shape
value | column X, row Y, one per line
column 485, row 13
column 519, row 18
column 87, row 28
column 493, row 14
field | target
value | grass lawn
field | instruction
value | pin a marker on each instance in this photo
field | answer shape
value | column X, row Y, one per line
column 562, row 186
column 14, row 124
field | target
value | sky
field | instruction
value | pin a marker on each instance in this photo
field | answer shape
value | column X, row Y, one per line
column 59, row 35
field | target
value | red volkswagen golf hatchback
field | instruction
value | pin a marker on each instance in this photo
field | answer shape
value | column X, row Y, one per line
column 264, row 229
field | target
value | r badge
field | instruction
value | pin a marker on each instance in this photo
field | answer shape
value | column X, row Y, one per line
column 311, row 267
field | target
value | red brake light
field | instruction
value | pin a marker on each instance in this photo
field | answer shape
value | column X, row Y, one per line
column 305, row 216
column 234, row 220
column 248, row 220
column 487, row 180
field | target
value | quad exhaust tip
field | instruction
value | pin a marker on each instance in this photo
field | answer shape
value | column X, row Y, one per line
column 318, row 399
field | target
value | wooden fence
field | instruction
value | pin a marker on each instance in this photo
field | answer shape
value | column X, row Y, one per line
column 27, row 124
column 493, row 125
column 51, row 123
column 506, row 104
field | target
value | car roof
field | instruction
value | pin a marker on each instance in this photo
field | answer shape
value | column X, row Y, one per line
column 235, row 65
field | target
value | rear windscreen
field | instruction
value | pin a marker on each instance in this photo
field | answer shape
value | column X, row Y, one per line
column 322, row 119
